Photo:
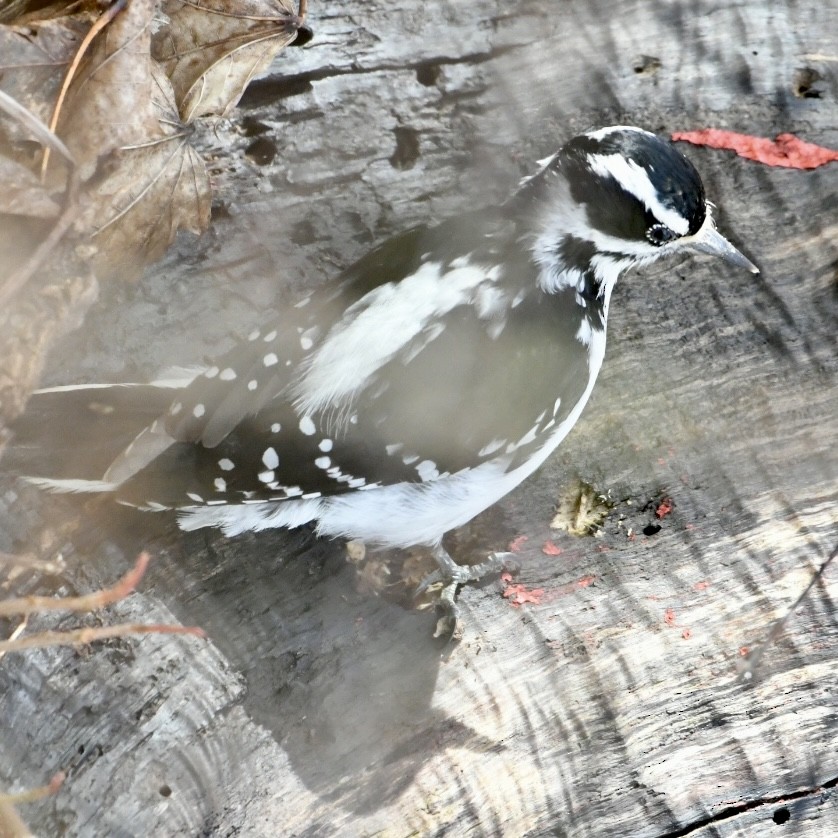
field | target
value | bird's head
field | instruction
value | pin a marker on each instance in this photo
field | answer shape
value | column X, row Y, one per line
column 615, row 198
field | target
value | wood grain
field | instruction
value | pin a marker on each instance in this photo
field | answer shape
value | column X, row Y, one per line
column 614, row 705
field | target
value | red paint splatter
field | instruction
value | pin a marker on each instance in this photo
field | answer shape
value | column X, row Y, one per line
column 686, row 634
column 664, row 508
column 516, row 543
column 550, row 549
column 520, row 594
column 669, row 616
column 786, row 150
column 743, row 651
column 701, row 586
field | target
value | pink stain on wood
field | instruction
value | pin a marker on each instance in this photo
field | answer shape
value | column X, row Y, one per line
column 786, row 150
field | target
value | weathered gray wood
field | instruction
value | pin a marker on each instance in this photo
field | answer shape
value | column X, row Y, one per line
column 614, row 706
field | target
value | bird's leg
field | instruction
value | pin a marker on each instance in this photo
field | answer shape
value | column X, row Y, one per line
column 452, row 575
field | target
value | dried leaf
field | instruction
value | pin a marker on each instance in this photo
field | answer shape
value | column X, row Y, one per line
column 212, row 49
column 33, row 59
column 122, row 125
column 22, row 193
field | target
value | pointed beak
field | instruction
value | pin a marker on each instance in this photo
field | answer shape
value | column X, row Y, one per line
column 710, row 240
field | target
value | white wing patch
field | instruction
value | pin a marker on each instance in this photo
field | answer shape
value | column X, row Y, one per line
column 378, row 327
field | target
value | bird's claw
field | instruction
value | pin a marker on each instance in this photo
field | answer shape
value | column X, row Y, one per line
column 451, row 575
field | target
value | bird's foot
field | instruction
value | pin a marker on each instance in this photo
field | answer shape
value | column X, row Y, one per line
column 451, row 575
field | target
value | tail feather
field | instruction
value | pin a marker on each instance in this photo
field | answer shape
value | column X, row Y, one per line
column 69, row 485
column 70, row 437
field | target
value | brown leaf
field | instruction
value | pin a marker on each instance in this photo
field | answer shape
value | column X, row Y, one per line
column 144, row 179
column 212, row 49
column 22, row 193
column 33, row 60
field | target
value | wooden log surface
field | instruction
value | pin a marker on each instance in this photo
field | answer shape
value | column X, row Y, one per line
column 614, row 703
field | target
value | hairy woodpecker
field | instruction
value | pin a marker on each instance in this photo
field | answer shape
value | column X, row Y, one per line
column 427, row 382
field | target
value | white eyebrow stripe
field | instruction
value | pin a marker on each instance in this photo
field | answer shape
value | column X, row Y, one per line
column 636, row 180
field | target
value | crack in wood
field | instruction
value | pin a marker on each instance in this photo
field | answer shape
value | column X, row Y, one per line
column 734, row 811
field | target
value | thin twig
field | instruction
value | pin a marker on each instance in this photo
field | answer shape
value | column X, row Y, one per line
column 89, row 602
column 37, row 128
column 100, row 23
column 39, row 793
column 83, row 636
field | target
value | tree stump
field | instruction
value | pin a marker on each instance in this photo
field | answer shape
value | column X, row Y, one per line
column 611, row 702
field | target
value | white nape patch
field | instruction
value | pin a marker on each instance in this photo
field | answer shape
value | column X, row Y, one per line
column 266, row 476
column 220, row 484
column 198, row 411
column 270, row 359
column 564, row 217
column 307, row 426
column 70, row 486
column 270, row 336
column 326, row 445
column 306, row 343
column 323, row 462
column 376, row 328
column 633, row 177
column 276, row 428
column 211, row 372
column 228, row 374
column 226, row 465
column 193, row 496
column 427, row 470
column 270, row 458
column 252, row 384
column 490, row 448
column 253, row 335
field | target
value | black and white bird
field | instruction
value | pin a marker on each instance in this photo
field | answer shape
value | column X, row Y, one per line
column 434, row 376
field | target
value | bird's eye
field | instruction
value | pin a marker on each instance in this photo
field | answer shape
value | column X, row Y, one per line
column 659, row 234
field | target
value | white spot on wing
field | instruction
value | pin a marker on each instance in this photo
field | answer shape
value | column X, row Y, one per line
column 276, row 428
column 307, row 426
column 198, row 411
column 427, row 470
column 193, row 496
column 266, row 476
column 228, row 374
column 270, row 336
column 252, row 384
column 325, row 445
column 323, row 462
column 220, row 484
column 270, row 359
column 270, row 458
column 226, row 465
